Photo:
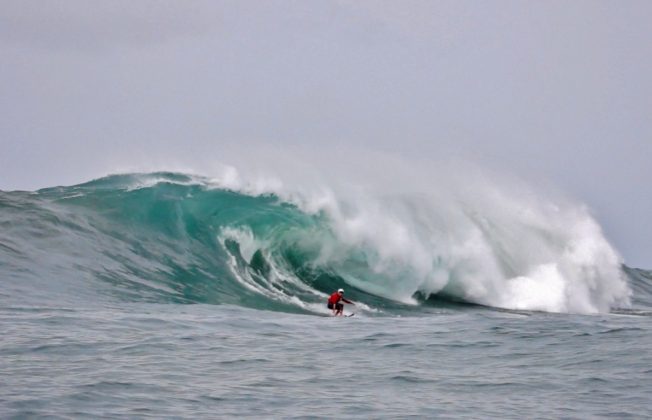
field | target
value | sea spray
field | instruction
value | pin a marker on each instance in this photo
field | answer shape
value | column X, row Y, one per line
column 266, row 243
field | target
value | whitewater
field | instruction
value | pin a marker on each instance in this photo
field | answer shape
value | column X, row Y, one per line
column 169, row 294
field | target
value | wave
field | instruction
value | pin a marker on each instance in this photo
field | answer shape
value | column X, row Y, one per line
column 171, row 237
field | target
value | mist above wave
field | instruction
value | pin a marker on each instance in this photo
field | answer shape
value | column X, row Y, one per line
column 393, row 229
column 456, row 230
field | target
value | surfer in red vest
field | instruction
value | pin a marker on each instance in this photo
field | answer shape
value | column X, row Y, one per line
column 334, row 302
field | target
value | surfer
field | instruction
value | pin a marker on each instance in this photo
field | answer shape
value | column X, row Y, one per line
column 334, row 302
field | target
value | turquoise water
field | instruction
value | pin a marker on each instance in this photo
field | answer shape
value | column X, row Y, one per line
column 165, row 295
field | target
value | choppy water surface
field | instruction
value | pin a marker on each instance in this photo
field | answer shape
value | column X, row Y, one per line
column 218, row 361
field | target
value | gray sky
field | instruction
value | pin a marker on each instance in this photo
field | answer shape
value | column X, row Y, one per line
column 557, row 91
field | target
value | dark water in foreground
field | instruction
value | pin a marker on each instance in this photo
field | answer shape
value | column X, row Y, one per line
column 189, row 361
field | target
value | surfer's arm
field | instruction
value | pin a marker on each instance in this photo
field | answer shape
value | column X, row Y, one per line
column 348, row 301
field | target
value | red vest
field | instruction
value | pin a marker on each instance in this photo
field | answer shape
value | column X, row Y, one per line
column 335, row 297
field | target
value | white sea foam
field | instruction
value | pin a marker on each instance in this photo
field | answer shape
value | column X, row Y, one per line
column 479, row 237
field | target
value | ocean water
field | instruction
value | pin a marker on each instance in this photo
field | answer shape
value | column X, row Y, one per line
column 166, row 295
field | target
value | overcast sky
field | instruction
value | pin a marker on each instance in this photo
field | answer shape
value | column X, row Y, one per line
column 554, row 90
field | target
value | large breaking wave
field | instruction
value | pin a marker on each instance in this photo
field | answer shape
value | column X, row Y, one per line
column 170, row 237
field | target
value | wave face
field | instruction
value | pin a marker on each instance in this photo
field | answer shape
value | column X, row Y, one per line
column 169, row 237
